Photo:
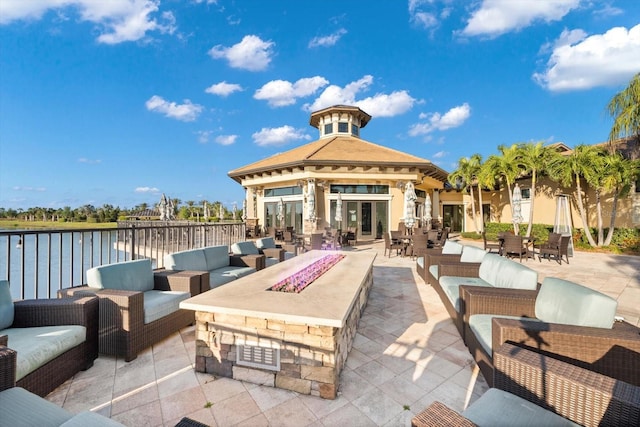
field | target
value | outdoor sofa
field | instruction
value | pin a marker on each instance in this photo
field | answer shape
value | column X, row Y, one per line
column 137, row 307
column 450, row 249
column 494, row 271
column 563, row 319
column 248, row 248
column 215, row 265
column 535, row 390
column 45, row 342
column 268, row 247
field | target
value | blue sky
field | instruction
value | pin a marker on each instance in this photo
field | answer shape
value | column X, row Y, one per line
column 116, row 102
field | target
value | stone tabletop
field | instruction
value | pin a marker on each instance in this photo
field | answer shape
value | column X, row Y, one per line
column 326, row 302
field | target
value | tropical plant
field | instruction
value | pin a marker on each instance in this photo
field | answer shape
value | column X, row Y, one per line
column 571, row 169
column 624, row 107
column 534, row 159
column 463, row 179
column 505, row 167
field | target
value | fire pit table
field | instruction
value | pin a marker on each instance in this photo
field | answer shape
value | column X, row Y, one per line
column 289, row 326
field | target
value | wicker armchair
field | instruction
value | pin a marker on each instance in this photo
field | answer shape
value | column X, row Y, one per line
column 577, row 394
column 490, row 245
column 51, row 312
column 556, row 247
column 123, row 327
column 515, row 315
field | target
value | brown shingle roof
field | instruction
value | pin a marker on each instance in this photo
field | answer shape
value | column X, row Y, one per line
column 339, row 150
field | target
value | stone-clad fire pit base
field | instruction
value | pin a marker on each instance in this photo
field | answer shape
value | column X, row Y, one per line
column 311, row 350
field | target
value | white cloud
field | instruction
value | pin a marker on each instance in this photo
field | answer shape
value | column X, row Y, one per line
column 329, row 40
column 186, row 112
column 280, row 93
column 118, row 20
column 27, row 188
column 226, row 139
column 580, row 62
column 203, row 136
column 152, row 190
column 379, row 105
column 223, row 89
column 435, row 121
column 89, row 161
column 440, row 154
column 425, row 19
column 496, row 17
column 278, row 136
column 252, row 53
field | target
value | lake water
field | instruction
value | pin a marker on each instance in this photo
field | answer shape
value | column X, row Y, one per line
column 54, row 253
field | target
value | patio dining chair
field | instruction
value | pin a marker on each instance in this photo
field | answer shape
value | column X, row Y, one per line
column 490, row 245
column 556, row 247
column 516, row 246
column 391, row 244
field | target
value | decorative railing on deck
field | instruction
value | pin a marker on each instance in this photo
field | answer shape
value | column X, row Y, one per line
column 38, row 263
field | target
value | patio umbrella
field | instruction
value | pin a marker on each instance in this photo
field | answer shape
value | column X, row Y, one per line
column 409, row 205
column 339, row 209
column 244, row 210
column 221, row 215
column 205, row 210
column 427, row 210
column 516, row 209
column 280, row 214
column 311, row 200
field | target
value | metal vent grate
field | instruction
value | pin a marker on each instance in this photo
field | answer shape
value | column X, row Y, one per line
column 258, row 357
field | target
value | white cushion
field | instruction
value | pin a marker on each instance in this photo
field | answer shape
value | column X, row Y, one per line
column 6, row 305
column 472, row 254
column 451, row 247
column 158, row 304
column 129, row 276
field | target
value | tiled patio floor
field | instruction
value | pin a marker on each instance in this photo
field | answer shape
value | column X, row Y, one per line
column 407, row 353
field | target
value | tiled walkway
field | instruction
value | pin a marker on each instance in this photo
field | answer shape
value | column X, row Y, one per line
column 407, row 354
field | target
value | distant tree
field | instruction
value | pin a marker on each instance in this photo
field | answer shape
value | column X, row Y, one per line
column 624, row 107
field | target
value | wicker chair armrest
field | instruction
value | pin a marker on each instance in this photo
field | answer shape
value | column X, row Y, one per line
column 612, row 352
column 81, row 310
column 459, row 269
column 440, row 415
column 439, row 258
column 8, row 363
column 4, row 339
column 255, row 261
column 277, row 253
column 581, row 395
column 182, row 281
column 503, row 301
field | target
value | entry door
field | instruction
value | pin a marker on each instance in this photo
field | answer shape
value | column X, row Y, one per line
column 366, row 228
column 452, row 216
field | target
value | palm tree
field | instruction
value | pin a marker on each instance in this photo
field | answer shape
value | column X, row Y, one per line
column 463, row 178
column 620, row 174
column 505, row 167
column 190, row 203
column 571, row 169
column 534, row 158
column 624, row 109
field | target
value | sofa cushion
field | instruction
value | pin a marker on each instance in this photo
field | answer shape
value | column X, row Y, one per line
column 222, row 276
column 451, row 247
column 433, row 270
column 480, row 325
column 88, row 418
column 450, row 285
column 38, row 345
column 242, row 271
column 216, row 256
column 6, row 305
column 565, row 302
column 21, row 407
column 498, row 408
column 420, row 261
column 158, row 304
column 193, row 259
column 472, row 254
column 129, row 275
column 245, row 248
column 266, row 243
column 505, row 273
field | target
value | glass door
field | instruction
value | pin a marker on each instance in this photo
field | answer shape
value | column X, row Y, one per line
column 366, row 219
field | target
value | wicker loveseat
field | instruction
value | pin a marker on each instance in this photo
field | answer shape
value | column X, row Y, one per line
column 137, row 307
column 450, row 250
column 564, row 319
column 45, row 342
column 268, row 247
column 493, row 272
column 214, row 263
column 535, row 390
